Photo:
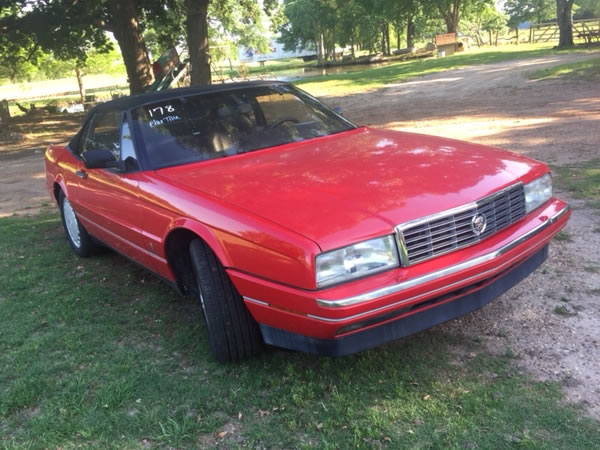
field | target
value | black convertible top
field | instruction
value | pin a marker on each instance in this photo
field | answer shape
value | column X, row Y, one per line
column 135, row 101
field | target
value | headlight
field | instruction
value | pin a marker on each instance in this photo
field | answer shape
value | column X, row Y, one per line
column 355, row 261
column 538, row 192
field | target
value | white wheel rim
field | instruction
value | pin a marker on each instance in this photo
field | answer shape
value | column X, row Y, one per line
column 71, row 223
column 203, row 307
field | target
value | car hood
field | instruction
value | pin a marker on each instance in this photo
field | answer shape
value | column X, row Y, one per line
column 355, row 185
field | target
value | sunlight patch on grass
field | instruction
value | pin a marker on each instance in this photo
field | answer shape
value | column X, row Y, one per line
column 582, row 180
column 588, row 70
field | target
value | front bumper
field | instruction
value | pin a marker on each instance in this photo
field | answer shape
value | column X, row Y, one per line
column 369, row 312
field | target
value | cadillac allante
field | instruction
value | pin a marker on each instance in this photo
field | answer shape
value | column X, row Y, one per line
column 294, row 227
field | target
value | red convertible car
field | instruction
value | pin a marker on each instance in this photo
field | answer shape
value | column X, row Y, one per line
column 294, row 227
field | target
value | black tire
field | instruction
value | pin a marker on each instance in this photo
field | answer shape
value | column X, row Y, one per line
column 232, row 332
column 81, row 242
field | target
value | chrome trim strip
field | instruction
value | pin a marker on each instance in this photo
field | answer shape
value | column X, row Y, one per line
column 413, row 282
column 253, row 300
column 456, row 210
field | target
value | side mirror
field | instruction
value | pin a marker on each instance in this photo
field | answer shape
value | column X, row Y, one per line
column 338, row 110
column 100, row 159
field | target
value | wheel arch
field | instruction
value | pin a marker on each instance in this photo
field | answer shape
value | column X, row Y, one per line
column 177, row 243
column 57, row 187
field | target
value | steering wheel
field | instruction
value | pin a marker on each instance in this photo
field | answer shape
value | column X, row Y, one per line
column 280, row 122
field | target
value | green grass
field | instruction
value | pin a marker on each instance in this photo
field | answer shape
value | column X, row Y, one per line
column 563, row 236
column 589, row 70
column 562, row 310
column 581, row 179
column 373, row 78
column 97, row 353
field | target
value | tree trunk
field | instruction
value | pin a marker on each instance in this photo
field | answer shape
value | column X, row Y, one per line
column 196, row 24
column 320, row 48
column 564, row 16
column 490, row 43
column 398, row 33
column 79, row 76
column 131, row 42
column 352, row 52
column 333, row 45
column 4, row 114
column 410, row 33
column 450, row 13
column 479, row 39
column 386, row 27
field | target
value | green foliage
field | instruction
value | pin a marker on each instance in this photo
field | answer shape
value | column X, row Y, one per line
column 307, row 21
column 482, row 16
column 34, row 36
column 331, row 23
column 586, row 9
column 59, row 35
column 48, row 67
column 18, row 51
column 535, row 11
column 231, row 23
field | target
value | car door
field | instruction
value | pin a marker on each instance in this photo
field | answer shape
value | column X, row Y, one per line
column 108, row 199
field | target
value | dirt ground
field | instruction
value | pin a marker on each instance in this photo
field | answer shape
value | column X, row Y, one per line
column 556, row 121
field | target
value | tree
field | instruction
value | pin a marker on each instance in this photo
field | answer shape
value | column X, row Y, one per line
column 482, row 15
column 536, row 11
column 124, row 24
column 200, row 22
column 450, row 12
column 69, row 30
column 587, row 9
column 309, row 24
column 564, row 17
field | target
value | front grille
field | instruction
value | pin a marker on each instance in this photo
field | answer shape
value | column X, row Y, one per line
column 442, row 233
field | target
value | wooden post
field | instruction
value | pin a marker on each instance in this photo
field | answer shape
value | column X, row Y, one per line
column 531, row 34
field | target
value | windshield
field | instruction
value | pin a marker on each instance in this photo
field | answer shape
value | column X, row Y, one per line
column 220, row 124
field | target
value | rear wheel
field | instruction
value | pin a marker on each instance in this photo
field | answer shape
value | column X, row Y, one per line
column 79, row 239
column 232, row 332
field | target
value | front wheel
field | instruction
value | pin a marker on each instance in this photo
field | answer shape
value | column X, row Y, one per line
column 79, row 239
column 232, row 332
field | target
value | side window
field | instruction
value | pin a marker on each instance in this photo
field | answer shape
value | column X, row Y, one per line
column 104, row 133
column 83, row 137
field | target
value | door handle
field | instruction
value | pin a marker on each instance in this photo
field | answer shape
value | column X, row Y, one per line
column 81, row 174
